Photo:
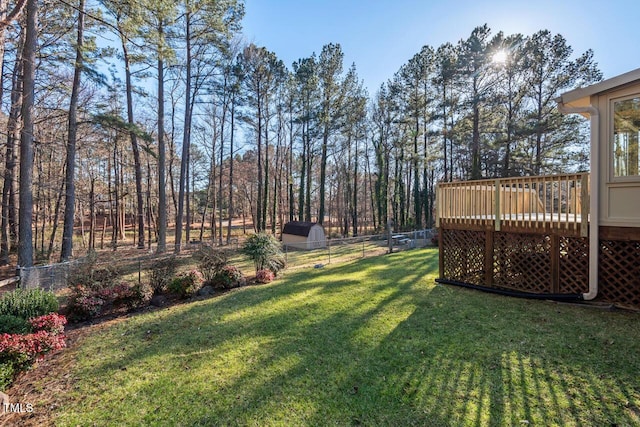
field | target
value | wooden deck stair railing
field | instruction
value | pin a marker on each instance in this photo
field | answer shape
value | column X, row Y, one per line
column 521, row 204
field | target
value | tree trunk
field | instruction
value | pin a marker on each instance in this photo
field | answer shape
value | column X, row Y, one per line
column 162, row 192
column 230, row 207
column 92, row 216
column 186, row 138
column 303, row 170
column 8, row 232
column 476, row 172
column 188, row 195
column 70, row 195
column 258, row 221
column 354, row 215
column 265, row 199
column 222, row 122
column 290, row 168
column 56, row 214
column 134, row 147
column 323, row 173
column 25, row 231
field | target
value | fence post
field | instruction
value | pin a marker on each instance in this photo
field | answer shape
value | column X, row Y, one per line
column 363, row 247
column 329, row 247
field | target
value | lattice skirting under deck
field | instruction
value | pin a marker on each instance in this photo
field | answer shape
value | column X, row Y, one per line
column 619, row 272
column 541, row 264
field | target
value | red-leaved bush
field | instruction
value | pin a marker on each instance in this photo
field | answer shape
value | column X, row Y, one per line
column 228, row 277
column 264, row 276
column 33, row 346
column 116, row 293
column 87, row 302
column 52, row 322
column 19, row 351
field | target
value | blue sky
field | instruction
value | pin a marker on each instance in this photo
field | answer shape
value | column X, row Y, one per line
column 381, row 35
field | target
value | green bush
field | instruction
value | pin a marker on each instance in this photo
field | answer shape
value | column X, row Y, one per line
column 161, row 274
column 10, row 324
column 210, row 261
column 186, row 284
column 142, row 293
column 87, row 273
column 7, row 372
column 265, row 252
column 28, row 303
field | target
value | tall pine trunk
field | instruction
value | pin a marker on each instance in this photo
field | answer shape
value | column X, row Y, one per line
column 134, row 146
column 8, row 232
column 186, row 139
column 162, row 192
column 230, row 207
column 70, row 195
column 25, row 231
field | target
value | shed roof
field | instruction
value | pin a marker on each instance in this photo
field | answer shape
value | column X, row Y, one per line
column 580, row 97
column 298, row 228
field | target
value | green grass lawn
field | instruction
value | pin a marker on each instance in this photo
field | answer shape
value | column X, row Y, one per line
column 372, row 342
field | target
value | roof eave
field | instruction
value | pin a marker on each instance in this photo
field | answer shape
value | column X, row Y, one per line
column 581, row 96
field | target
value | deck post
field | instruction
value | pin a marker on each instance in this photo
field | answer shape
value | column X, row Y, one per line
column 584, row 205
column 438, row 204
column 496, row 209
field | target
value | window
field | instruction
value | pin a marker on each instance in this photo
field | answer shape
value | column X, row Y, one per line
column 626, row 129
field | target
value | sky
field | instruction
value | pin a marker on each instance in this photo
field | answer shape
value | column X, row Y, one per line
column 379, row 36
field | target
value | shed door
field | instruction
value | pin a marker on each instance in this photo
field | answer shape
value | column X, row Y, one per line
column 316, row 236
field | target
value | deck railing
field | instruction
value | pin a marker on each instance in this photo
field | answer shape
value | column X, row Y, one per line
column 558, row 202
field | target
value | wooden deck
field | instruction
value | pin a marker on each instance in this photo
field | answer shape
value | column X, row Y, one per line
column 530, row 236
column 530, row 204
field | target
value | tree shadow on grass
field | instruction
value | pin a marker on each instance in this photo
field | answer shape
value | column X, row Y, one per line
column 374, row 342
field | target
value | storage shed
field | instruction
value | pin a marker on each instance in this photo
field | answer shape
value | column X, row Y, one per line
column 303, row 235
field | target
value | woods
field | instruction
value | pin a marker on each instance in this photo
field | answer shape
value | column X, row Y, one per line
column 124, row 121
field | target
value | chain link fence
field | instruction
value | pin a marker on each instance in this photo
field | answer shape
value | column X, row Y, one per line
column 54, row 276
column 346, row 249
column 49, row 277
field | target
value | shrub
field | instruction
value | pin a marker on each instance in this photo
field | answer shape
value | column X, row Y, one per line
column 264, row 276
column 142, row 293
column 88, row 274
column 10, row 324
column 19, row 351
column 22, row 350
column 117, row 294
column 52, row 323
column 84, row 303
column 27, row 303
column 7, row 373
column 265, row 252
column 89, row 302
column 228, row 277
column 161, row 273
column 186, row 284
column 210, row 261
